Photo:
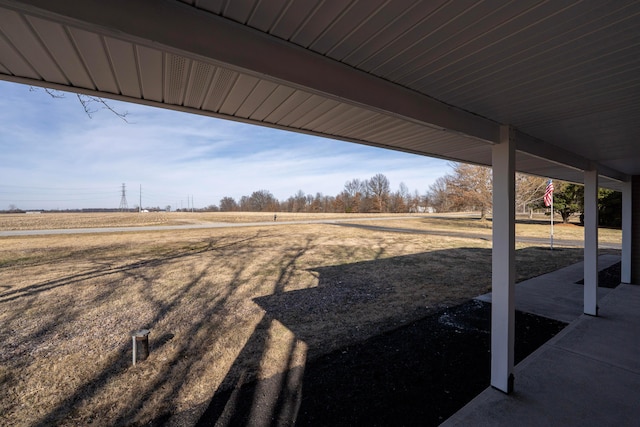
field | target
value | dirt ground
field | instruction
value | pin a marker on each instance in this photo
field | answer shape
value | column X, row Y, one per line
column 419, row 374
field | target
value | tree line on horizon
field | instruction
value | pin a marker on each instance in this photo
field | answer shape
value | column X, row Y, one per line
column 373, row 195
column 466, row 188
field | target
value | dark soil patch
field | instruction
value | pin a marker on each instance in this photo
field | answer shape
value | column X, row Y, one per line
column 419, row 374
column 609, row 277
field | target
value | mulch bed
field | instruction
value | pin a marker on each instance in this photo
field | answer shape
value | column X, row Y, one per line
column 419, row 374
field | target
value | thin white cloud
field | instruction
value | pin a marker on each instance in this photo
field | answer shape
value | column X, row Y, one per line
column 54, row 156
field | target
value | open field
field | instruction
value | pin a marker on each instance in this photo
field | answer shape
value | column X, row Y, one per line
column 223, row 305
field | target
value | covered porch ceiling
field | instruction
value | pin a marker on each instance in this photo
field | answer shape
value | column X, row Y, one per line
column 437, row 78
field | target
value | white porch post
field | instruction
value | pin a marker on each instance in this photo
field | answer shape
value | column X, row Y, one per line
column 503, row 262
column 627, row 215
column 590, row 241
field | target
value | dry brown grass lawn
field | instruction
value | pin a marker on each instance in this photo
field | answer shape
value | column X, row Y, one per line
column 223, row 305
column 121, row 219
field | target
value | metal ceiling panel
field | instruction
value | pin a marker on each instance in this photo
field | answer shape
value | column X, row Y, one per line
column 398, row 51
column 519, row 41
column 275, row 100
column 238, row 94
column 22, row 37
column 92, row 51
column 297, row 115
column 290, row 104
column 457, row 39
column 13, row 62
column 123, row 60
column 240, row 11
column 370, row 27
column 358, row 120
column 387, row 128
column 319, row 21
column 324, row 106
column 414, row 16
column 345, row 24
column 151, row 66
column 266, row 13
column 177, row 70
column 293, row 17
column 340, row 118
column 198, row 84
column 259, row 94
column 222, row 83
column 215, row 6
column 59, row 45
column 335, row 114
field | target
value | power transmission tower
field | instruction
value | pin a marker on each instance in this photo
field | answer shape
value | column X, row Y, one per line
column 123, row 200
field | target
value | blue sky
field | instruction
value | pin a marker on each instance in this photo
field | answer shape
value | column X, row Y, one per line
column 55, row 157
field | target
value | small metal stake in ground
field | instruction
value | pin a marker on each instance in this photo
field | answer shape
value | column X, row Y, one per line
column 140, row 345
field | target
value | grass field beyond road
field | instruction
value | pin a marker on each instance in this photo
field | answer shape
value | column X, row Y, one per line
column 223, row 306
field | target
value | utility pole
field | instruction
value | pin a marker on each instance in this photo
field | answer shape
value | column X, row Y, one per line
column 140, row 205
column 123, row 199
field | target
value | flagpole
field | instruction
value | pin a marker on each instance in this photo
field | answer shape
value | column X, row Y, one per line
column 548, row 201
column 551, row 221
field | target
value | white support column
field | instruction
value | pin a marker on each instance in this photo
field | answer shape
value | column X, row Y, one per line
column 591, row 241
column 503, row 262
column 627, row 230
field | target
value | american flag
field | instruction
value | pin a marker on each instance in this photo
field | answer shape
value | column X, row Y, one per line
column 548, row 194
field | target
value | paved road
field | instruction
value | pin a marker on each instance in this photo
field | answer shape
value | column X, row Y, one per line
column 465, row 235
column 346, row 222
column 8, row 233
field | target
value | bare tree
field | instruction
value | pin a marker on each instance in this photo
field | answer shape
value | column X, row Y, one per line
column 529, row 189
column 245, row 204
column 438, row 195
column 352, row 195
column 263, row 201
column 299, row 202
column 400, row 201
column 91, row 104
column 471, row 187
column 228, row 204
column 378, row 186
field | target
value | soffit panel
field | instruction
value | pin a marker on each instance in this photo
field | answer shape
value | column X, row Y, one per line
column 13, row 62
column 199, row 83
column 57, row 41
column 92, row 52
column 292, row 103
column 520, row 63
column 256, row 98
column 273, row 103
column 223, row 81
column 122, row 58
column 539, row 66
column 151, row 65
column 265, row 13
column 24, row 40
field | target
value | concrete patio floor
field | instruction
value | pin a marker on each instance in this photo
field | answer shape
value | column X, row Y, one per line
column 587, row 375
